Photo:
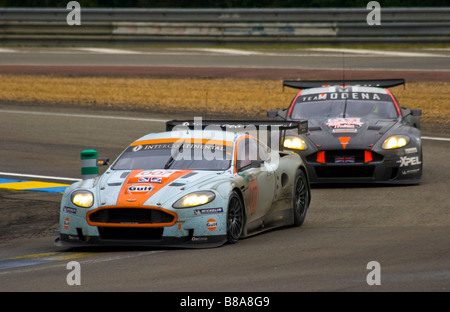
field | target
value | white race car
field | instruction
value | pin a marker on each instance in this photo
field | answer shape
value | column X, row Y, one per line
column 187, row 187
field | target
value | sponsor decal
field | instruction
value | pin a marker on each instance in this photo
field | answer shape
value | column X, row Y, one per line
column 406, row 161
column 344, row 159
column 70, row 210
column 66, row 223
column 199, row 239
column 344, row 124
column 411, row 150
column 343, row 96
column 410, row 171
column 74, row 238
column 149, row 179
column 155, row 173
column 139, row 188
column 211, row 224
column 208, row 211
column 186, row 145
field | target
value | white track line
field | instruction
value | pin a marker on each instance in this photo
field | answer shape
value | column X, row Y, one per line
column 230, row 51
column 34, row 176
column 108, row 51
column 3, row 50
column 79, row 115
column 435, row 138
column 130, row 118
column 63, row 263
column 381, row 52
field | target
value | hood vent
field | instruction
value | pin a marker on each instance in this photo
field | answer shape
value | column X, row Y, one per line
column 188, row 175
column 124, row 175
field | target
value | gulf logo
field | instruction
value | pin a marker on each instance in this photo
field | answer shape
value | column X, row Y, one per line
column 66, row 223
column 211, row 224
column 140, row 188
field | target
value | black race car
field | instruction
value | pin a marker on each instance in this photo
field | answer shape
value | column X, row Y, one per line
column 358, row 133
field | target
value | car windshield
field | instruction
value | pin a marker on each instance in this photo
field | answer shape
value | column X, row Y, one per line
column 343, row 108
column 175, row 156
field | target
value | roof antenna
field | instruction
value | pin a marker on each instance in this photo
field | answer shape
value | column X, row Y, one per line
column 343, row 67
column 206, row 104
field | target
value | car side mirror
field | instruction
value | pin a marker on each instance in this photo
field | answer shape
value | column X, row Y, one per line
column 272, row 113
column 277, row 113
column 102, row 162
column 241, row 164
column 416, row 112
column 257, row 163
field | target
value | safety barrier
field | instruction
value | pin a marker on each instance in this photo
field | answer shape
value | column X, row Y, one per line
column 31, row 26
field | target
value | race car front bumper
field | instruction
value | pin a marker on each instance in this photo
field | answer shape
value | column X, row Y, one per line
column 113, row 226
column 402, row 166
column 190, row 241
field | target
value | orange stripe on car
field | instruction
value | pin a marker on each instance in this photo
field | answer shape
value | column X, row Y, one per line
column 134, row 194
column 180, row 140
column 128, row 198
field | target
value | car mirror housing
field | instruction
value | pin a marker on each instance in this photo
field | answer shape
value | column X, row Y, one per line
column 416, row 112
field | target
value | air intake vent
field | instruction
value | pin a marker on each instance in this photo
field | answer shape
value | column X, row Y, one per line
column 344, row 171
column 131, row 217
column 120, row 233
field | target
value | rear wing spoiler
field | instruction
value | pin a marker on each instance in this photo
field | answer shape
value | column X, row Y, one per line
column 382, row 83
column 245, row 125
column 240, row 125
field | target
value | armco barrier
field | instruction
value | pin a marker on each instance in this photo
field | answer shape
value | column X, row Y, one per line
column 223, row 26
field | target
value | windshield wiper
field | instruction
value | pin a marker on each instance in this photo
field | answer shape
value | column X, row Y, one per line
column 172, row 159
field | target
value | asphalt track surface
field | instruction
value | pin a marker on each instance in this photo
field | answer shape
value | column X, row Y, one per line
column 406, row 229
column 413, row 64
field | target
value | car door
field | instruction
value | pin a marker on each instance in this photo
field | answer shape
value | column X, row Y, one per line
column 260, row 178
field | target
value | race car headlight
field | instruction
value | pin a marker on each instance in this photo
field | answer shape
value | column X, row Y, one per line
column 83, row 199
column 295, row 143
column 194, row 199
column 395, row 141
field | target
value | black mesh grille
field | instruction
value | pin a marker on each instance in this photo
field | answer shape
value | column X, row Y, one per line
column 125, row 233
column 130, row 216
column 344, row 171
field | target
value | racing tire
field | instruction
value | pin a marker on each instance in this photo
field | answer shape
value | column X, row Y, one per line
column 235, row 218
column 301, row 197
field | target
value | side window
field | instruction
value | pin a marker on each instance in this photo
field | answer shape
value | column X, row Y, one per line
column 243, row 155
column 250, row 150
column 263, row 152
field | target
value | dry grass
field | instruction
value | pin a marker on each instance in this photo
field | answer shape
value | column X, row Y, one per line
column 238, row 97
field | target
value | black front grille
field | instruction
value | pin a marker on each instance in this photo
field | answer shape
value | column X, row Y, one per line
column 130, row 216
column 344, row 171
column 125, row 233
